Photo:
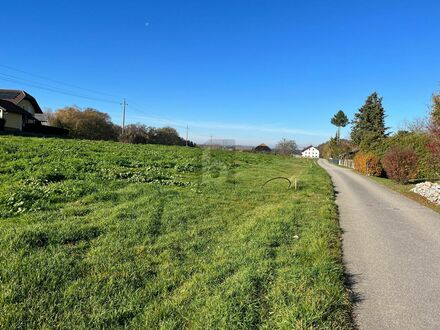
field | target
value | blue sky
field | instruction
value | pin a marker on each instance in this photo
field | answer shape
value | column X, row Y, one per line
column 254, row 71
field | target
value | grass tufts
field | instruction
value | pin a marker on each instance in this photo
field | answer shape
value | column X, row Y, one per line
column 106, row 235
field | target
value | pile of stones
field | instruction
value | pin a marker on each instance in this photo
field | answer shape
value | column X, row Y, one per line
column 429, row 190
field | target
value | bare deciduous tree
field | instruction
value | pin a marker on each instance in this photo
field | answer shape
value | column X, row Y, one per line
column 417, row 125
column 286, row 147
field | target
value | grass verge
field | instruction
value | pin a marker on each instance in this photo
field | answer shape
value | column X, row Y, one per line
column 106, row 235
column 404, row 189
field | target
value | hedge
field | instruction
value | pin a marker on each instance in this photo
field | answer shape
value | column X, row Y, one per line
column 368, row 163
column 401, row 164
column 417, row 142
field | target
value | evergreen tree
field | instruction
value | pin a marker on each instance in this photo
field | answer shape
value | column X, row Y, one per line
column 339, row 120
column 368, row 126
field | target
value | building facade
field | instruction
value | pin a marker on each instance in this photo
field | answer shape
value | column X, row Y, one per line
column 310, row 152
column 17, row 109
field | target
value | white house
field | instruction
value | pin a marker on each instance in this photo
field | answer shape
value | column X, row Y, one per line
column 310, row 152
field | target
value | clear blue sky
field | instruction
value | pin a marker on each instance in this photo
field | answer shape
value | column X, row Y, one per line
column 254, row 71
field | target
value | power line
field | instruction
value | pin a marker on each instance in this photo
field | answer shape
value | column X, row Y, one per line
column 37, row 83
column 55, row 81
column 56, row 89
column 10, row 78
column 154, row 117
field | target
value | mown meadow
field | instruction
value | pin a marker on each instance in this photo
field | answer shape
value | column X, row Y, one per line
column 110, row 235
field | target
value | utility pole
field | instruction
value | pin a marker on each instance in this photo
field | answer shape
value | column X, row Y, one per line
column 124, row 105
column 187, row 128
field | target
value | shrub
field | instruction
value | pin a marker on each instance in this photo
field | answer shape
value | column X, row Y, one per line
column 434, row 155
column 434, row 135
column 367, row 164
column 142, row 134
column 85, row 123
column 418, row 142
column 136, row 134
column 401, row 164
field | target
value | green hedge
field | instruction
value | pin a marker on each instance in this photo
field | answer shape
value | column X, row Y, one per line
column 414, row 141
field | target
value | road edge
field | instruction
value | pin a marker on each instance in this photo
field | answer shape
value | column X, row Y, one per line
column 347, row 280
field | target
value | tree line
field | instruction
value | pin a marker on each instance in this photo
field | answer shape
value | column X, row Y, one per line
column 409, row 153
column 92, row 124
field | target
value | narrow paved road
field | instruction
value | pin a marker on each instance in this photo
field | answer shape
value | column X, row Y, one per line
column 391, row 251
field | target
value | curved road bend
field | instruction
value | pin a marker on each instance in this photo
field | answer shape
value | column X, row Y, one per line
column 391, row 248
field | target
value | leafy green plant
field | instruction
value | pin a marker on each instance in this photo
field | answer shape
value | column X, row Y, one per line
column 31, row 196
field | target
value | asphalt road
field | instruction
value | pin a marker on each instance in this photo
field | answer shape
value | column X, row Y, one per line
column 391, row 248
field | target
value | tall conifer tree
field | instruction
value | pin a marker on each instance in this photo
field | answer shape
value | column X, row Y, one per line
column 368, row 126
column 339, row 120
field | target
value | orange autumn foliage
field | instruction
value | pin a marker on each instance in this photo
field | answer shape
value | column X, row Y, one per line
column 368, row 163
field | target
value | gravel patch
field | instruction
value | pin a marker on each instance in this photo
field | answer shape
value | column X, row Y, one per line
column 429, row 190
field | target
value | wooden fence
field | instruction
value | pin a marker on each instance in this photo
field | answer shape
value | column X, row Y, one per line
column 346, row 162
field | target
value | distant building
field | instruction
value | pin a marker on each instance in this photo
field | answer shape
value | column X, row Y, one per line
column 20, row 112
column 262, row 148
column 310, row 152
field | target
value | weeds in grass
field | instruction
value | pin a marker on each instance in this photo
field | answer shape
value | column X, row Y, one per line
column 105, row 235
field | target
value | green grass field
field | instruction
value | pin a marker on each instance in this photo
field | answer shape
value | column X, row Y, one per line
column 107, row 235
